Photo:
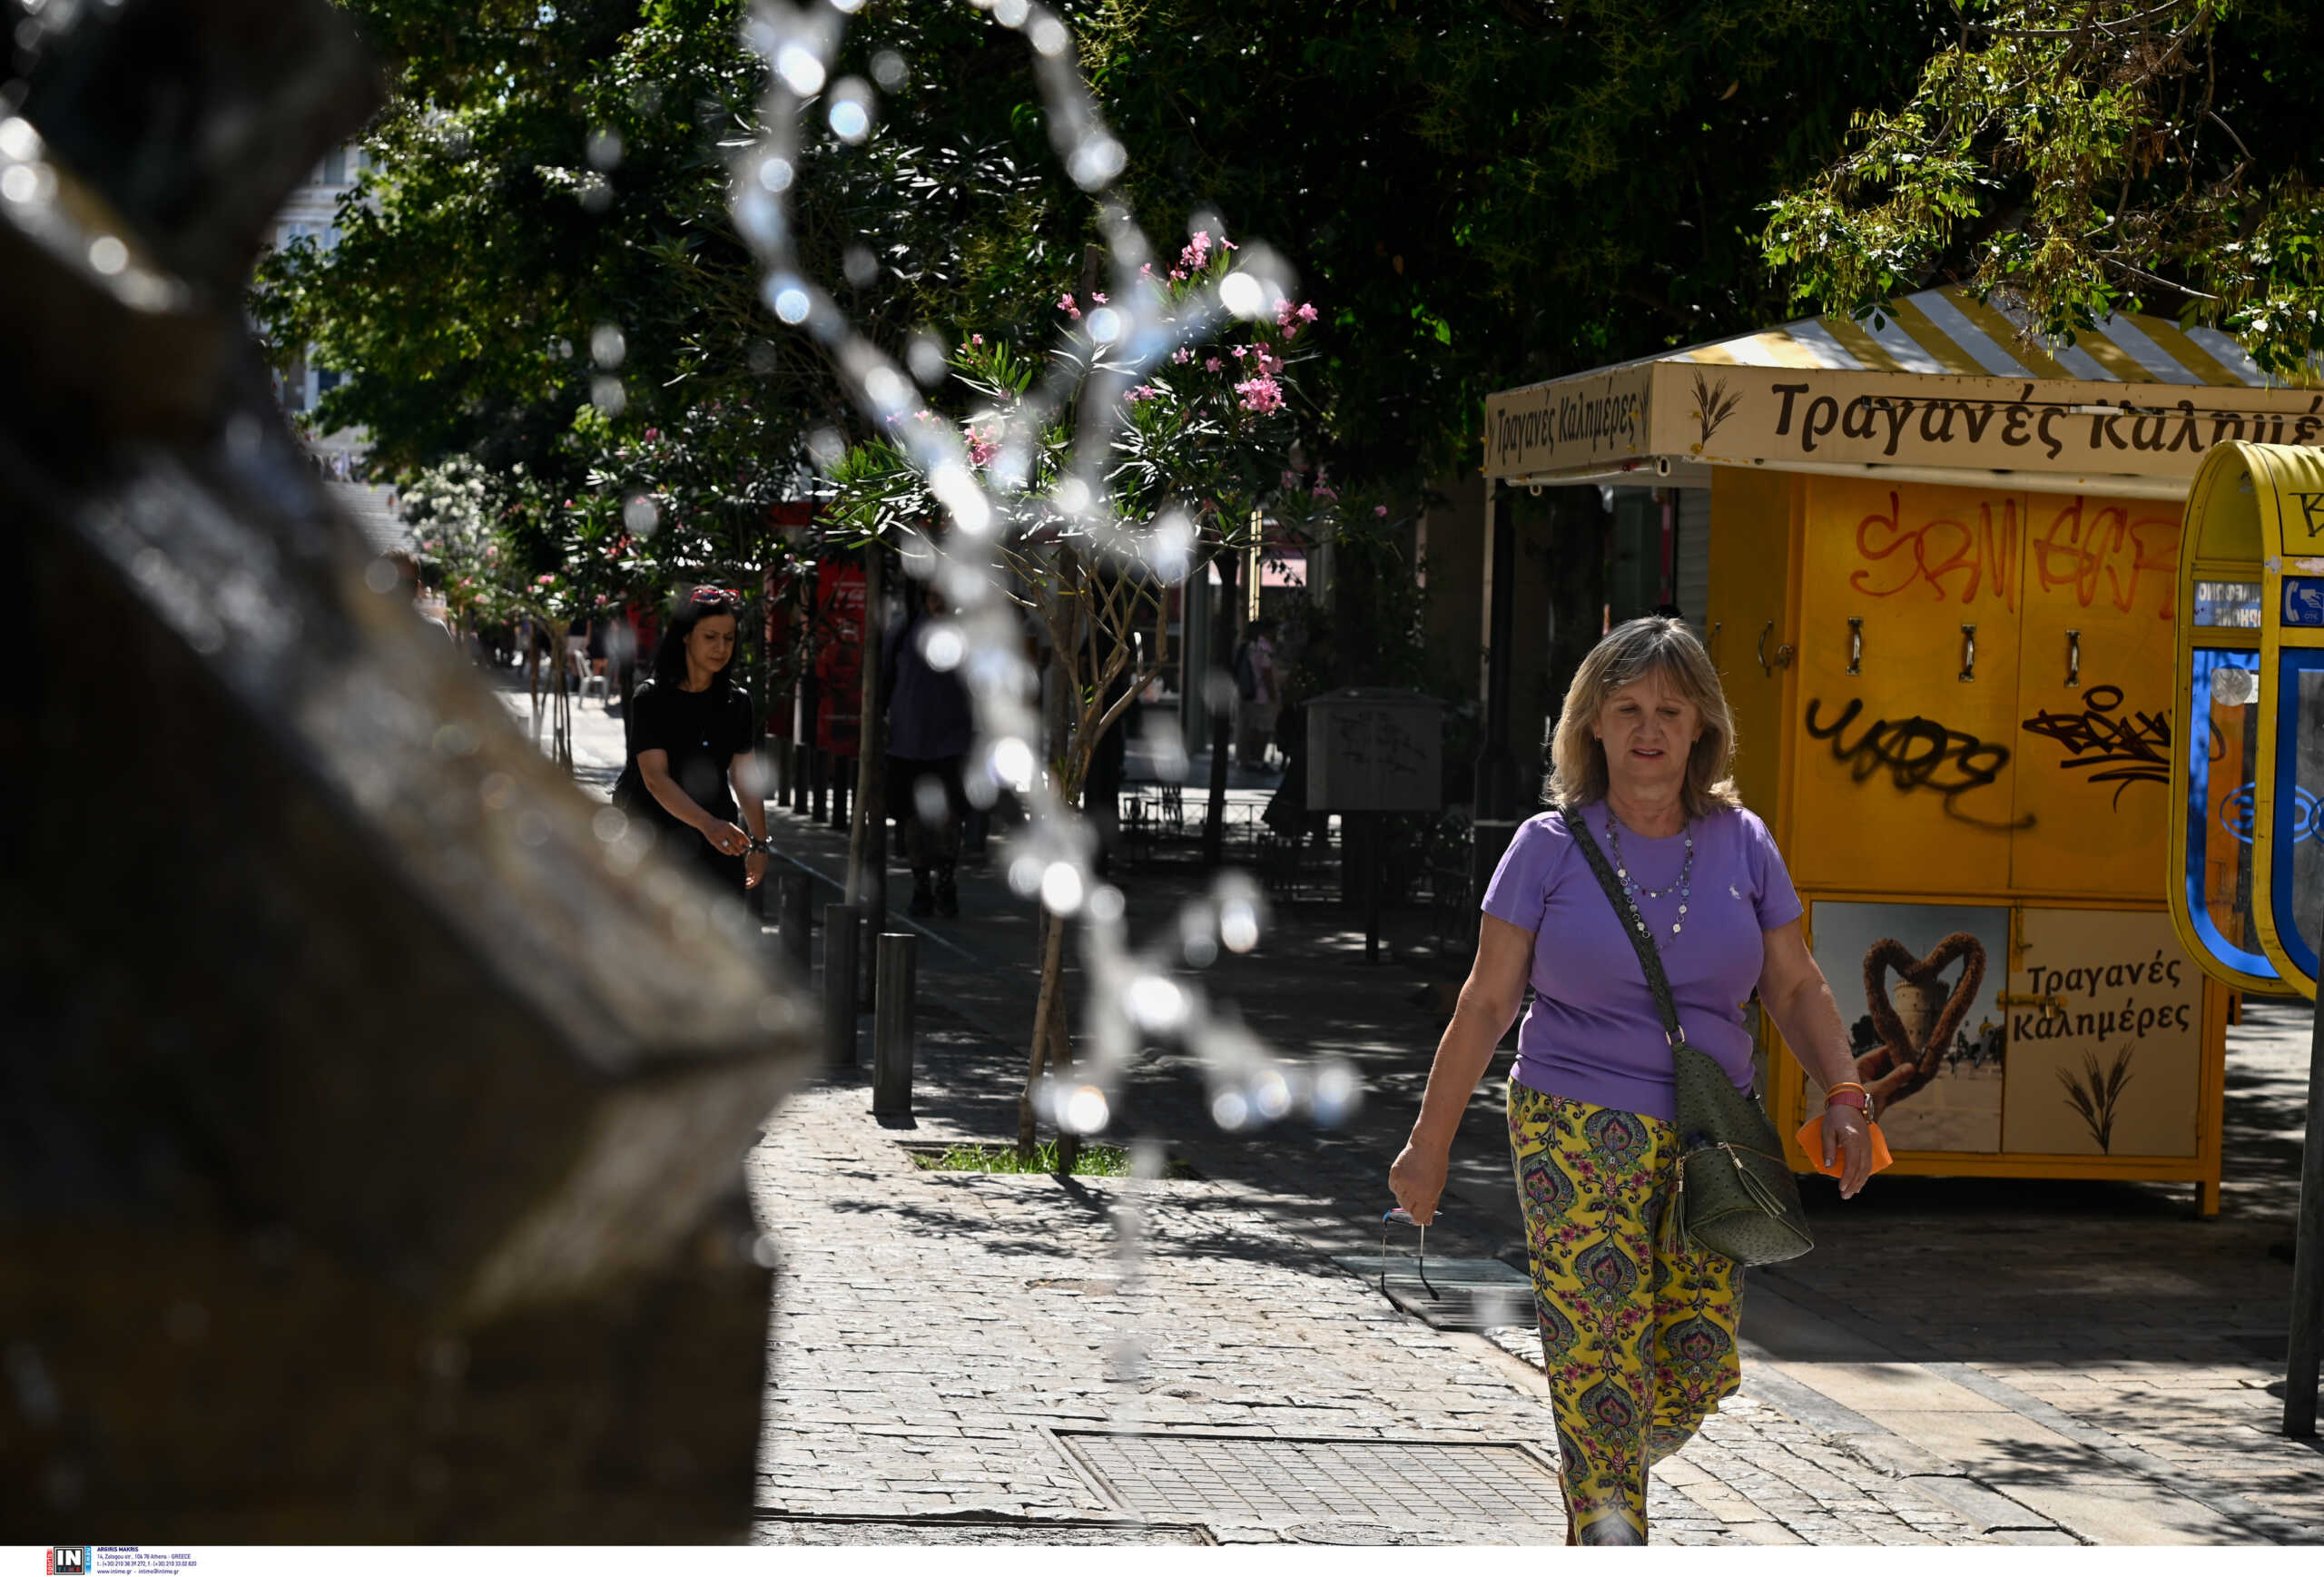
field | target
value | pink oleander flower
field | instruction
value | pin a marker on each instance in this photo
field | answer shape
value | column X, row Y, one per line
column 1177, row 276
column 1198, row 251
column 653, row 434
column 976, row 339
column 1380, row 511
column 1098, row 297
column 1064, row 304
column 1142, row 392
column 1329, row 494
column 1291, row 479
column 1212, row 364
column 1269, row 364
column 981, row 448
column 545, row 580
column 1181, row 355
column 1260, row 394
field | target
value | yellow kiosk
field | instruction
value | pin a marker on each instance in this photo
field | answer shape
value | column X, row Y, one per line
column 1945, row 573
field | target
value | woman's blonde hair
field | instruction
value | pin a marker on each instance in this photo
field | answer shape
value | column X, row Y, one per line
column 1629, row 653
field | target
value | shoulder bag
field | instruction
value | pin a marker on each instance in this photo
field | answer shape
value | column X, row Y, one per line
column 1737, row 1195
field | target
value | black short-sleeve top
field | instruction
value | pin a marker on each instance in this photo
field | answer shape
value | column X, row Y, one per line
column 701, row 732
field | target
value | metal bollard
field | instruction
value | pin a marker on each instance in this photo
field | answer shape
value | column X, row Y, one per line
column 891, row 1025
column 798, row 899
column 839, row 985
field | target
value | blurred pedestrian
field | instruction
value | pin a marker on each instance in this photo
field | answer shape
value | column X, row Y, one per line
column 407, row 567
column 693, row 766
column 1638, row 1321
column 1257, row 691
column 929, row 727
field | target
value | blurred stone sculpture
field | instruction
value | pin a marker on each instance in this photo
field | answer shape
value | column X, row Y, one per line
column 372, row 1105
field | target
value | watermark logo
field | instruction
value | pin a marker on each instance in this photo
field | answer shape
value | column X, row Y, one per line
column 69, row 1560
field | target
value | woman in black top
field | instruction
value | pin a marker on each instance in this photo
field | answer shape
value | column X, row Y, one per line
column 692, row 744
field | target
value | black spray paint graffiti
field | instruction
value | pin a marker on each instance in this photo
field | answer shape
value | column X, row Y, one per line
column 2110, row 745
column 1919, row 755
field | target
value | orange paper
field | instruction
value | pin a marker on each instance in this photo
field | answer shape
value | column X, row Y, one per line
column 1811, row 1140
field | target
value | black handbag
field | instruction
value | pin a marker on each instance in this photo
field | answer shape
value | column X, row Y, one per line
column 1736, row 1194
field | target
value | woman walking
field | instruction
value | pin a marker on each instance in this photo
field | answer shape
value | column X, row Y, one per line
column 1638, row 1323
column 693, row 747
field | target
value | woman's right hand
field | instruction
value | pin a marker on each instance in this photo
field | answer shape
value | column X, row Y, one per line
column 727, row 837
column 1417, row 1178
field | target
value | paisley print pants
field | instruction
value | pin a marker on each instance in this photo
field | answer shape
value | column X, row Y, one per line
column 1638, row 1324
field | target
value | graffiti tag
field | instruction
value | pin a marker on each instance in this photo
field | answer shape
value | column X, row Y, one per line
column 2109, row 743
column 1918, row 753
column 1935, row 551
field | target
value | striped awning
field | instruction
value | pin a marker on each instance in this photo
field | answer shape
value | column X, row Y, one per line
column 1938, row 386
column 1949, row 330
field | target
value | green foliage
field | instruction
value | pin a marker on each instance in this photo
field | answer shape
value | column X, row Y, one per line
column 1491, row 191
column 1206, row 434
column 2079, row 156
column 542, row 171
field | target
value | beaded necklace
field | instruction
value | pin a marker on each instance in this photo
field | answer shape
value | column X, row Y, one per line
column 1683, row 886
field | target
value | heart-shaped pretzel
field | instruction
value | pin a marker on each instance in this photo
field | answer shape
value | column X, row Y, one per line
column 1895, row 1069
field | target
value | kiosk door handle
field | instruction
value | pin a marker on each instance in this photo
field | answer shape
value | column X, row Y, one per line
column 1968, row 653
column 2048, row 1003
column 1855, row 647
column 2074, row 660
column 1782, row 659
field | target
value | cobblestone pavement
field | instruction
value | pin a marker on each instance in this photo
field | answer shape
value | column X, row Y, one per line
column 939, row 1330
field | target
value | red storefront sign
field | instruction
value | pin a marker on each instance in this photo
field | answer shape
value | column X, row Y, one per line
column 838, row 636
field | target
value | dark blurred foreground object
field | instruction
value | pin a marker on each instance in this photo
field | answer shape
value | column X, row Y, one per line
column 372, row 1106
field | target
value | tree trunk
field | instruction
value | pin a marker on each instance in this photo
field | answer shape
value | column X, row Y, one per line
column 1052, row 944
column 1222, row 724
column 867, row 843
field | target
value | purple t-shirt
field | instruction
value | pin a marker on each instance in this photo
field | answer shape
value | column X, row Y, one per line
column 1592, row 1033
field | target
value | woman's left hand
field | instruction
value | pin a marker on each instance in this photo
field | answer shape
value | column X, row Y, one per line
column 1847, row 1139
column 754, row 868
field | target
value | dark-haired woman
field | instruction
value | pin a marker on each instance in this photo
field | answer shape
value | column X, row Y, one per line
column 691, row 745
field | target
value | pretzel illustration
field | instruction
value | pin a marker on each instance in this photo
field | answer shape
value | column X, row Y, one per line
column 1896, row 1068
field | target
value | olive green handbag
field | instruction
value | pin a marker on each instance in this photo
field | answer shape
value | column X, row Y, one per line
column 1737, row 1195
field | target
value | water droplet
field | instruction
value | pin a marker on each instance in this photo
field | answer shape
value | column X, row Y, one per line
column 1240, row 294
column 607, row 346
column 888, row 70
column 1106, row 904
column 609, row 824
column 1156, row 1003
column 1012, row 762
column 641, row 515
column 1239, row 926
column 801, row 71
column 1084, row 1109
column 791, row 304
column 943, row 645
column 775, row 173
column 604, row 149
column 608, row 396
column 1061, row 889
column 1230, row 1111
column 107, row 255
column 1105, row 326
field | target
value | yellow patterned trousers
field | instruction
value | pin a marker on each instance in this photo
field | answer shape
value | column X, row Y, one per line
column 1638, row 1324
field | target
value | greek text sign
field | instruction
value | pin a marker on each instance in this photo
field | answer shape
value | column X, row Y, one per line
column 1775, row 416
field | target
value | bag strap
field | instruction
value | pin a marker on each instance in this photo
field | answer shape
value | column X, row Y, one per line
column 1634, row 925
